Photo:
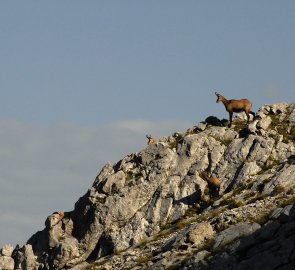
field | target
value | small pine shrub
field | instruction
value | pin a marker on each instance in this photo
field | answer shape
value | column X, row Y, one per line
column 279, row 189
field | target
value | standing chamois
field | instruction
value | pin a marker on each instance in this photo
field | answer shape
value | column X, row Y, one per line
column 151, row 139
column 235, row 106
column 213, row 183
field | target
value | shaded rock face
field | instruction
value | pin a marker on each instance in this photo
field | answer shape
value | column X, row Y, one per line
column 270, row 247
column 229, row 235
column 24, row 258
column 146, row 196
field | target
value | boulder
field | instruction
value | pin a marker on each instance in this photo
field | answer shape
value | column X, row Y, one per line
column 200, row 233
column 6, row 263
column 264, row 123
column 6, row 251
column 196, row 234
column 283, row 180
column 232, row 233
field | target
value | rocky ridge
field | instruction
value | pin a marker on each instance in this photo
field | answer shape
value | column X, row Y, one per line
column 153, row 210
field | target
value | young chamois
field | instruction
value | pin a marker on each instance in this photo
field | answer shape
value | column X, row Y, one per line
column 213, row 183
column 235, row 106
column 151, row 139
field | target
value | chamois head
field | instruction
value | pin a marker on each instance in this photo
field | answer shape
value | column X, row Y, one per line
column 219, row 97
column 151, row 139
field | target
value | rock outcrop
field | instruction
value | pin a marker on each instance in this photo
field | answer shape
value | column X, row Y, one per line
column 153, row 210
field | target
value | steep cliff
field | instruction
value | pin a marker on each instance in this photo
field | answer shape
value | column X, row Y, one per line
column 155, row 209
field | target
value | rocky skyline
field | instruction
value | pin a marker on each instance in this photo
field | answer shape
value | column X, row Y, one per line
column 153, row 210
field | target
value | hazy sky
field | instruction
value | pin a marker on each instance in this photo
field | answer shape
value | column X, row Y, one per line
column 82, row 82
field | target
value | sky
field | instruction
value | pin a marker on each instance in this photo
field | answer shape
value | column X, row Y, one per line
column 83, row 82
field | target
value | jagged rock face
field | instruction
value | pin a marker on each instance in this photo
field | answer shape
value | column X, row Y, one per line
column 24, row 258
column 270, row 247
column 136, row 198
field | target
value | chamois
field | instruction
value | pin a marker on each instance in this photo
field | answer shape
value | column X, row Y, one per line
column 213, row 183
column 235, row 106
column 151, row 139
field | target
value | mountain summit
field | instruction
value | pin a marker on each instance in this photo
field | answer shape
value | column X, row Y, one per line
column 161, row 209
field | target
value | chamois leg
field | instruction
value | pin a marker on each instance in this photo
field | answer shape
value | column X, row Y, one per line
column 217, row 190
column 214, row 192
column 230, row 118
column 248, row 117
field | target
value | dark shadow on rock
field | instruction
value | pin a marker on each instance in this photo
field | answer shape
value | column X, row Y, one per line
column 244, row 133
column 214, row 192
column 133, row 158
column 234, row 181
column 104, row 247
column 190, row 199
column 292, row 213
column 291, row 159
column 214, row 121
column 83, row 217
column 39, row 242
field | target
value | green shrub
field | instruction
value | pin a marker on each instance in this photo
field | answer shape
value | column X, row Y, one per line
column 278, row 189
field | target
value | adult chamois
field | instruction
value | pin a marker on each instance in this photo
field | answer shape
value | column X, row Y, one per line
column 151, row 139
column 213, row 183
column 235, row 106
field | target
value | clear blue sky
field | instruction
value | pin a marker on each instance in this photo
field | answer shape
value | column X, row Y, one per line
column 81, row 82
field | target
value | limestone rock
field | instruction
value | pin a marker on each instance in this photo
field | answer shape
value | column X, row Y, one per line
column 200, row 233
column 270, row 247
column 201, row 126
column 105, row 171
column 6, row 263
column 233, row 233
column 114, row 181
column 195, row 234
column 66, row 253
column 264, row 123
column 81, row 266
column 284, row 179
column 6, row 251
column 282, row 151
